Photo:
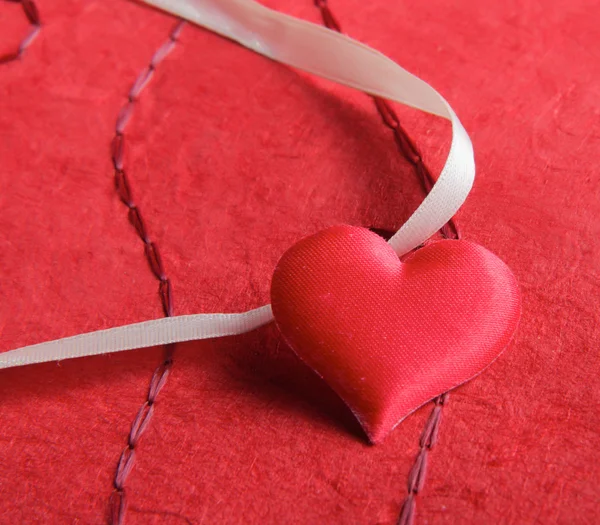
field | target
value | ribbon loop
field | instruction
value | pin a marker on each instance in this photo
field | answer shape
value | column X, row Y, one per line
column 324, row 53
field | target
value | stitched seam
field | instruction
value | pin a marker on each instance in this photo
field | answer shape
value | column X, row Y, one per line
column 118, row 498
column 33, row 15
column 408, row 149
column 390, row 119
column 418, row 472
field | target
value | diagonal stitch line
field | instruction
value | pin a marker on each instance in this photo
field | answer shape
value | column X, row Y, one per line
column 405, row 144
column 408, row 149
column 33, row 15
column 416, row 477
column 118, row 499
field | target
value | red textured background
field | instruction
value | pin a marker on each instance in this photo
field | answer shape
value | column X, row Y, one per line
column 232, row 158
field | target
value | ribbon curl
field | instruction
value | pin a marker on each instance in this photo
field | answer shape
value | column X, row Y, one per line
column 327, row 54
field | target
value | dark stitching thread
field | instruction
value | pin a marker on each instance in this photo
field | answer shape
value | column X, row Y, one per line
column 416, row 477
column 389, row 117
column 408, row 149
column 118, row 499
column 33, row 15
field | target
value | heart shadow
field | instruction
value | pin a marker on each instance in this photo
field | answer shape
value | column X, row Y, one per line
column 263, row 367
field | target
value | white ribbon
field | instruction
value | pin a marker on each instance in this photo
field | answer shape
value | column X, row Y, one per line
column 324, row 53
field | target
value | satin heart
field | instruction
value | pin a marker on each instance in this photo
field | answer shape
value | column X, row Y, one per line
column 389, row 335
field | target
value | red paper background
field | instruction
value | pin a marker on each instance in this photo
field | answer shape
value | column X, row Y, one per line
column 232, row 158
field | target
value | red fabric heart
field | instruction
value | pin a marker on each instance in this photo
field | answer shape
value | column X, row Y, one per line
column 389, row 335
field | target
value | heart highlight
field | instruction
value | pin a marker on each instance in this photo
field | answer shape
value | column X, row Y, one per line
column 386, row 334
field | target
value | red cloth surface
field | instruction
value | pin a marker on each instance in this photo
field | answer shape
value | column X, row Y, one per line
column 232, row 159
column 388, row 336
